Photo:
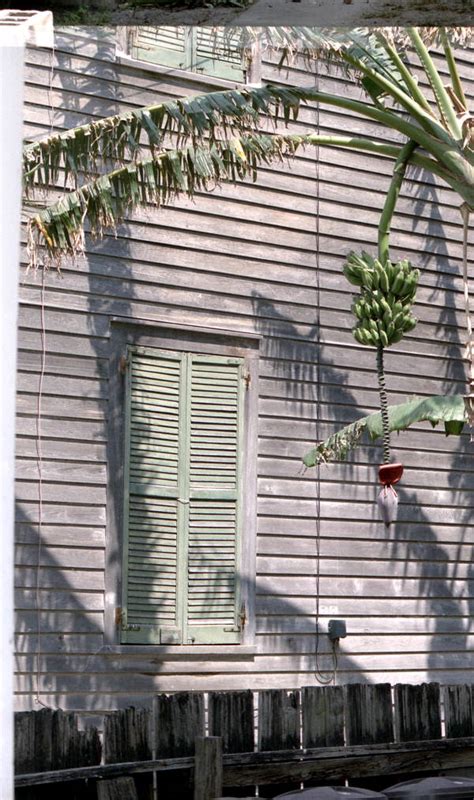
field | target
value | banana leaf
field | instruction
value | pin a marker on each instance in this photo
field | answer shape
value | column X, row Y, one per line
column 436, row 409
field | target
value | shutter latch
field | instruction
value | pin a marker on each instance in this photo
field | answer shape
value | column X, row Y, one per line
column 121, row 620
column 242, row 617
column 241, row 620
column 247, row 379
column 123, row 364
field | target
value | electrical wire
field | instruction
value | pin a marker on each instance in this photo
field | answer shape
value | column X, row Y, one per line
column 465, row 213
column 39, row 461
column 322, row 677
column 39, row 431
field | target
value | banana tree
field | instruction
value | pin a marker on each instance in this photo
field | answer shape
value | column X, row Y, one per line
column 195, row 142
column 216, row 136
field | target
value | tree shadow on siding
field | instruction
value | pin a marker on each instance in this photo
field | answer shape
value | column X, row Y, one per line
column 451, row 560
column 71, row 632
column 430, row 571
column 63, row 620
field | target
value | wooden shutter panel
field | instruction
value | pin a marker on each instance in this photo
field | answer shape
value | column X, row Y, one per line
column 153, row 517
column 193, row 48
column 164, row 45
column 183, row 468
column 214, row 55
column 215, row 400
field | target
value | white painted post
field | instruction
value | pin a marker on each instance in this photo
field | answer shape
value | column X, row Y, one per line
column 14, row 32
column 11, row 118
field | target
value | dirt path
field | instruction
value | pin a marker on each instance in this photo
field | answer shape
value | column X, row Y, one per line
column 359, row 12
column 312, row 12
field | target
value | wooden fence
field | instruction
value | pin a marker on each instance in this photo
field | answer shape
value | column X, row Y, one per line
column 275, row 739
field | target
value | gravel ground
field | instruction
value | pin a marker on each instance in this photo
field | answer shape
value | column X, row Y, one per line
column 311, row 12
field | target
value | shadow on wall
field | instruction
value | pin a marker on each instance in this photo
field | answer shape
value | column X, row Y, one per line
column 60, row 608
column 70, row 666
column 452, row 559
column 434, row 563
column 59, row 612
column 75, row 670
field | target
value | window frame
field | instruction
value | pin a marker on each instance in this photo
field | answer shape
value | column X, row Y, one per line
column 191, row 61
column 252, row 70
column 197, row 340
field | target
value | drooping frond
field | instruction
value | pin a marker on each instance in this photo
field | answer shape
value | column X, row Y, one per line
column 436, row 409
column 217, row 116
column 107, row 200
column 328, row 43
column 107, row 153
column 355, row 51
column 458, row 36
column 116, row 139
column 349, row 49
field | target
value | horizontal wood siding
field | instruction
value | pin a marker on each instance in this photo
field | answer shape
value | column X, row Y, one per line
column 407, row 595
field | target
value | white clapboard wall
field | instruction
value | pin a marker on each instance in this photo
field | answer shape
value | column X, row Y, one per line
column 248, row 258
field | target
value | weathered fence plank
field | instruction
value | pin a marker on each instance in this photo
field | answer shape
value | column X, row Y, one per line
column 179, row 721
column 34, row 740
column 208, row 770
column 278, row 728
column 278, row 719
column 26, row 756
column 323, row 716
column 458, row 711
column 48, row 740
column 368, row 713
column 51, row 750
column 231, row 716
column 322, row 710
column 127, row 737
column 105, row 771
column 346, row 763
column 72, row 747
column 117, row 789
column 417, row 712
column 247, row 768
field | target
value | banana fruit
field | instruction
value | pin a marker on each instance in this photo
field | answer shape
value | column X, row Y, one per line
column 383, row 309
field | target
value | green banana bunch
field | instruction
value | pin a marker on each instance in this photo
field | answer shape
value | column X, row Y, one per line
column 383, row 309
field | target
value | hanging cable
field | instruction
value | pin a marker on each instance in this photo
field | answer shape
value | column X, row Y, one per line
column 39, row 461
column 321, row 677
column 465, row 213
column 469, row 398
column 39, row 432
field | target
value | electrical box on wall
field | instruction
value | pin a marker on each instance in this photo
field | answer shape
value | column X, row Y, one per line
column 337, row 629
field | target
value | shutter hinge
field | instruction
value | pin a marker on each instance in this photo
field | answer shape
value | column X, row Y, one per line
column 123, row 364
column 121, row 621
column 247, row 379
column 242, row 617
column 241, row 620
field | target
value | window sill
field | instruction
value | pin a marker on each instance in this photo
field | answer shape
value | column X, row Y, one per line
column 174, row 72
column 178, row 652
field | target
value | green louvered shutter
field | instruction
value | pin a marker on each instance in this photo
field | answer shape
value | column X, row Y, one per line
column 215, row 391
column 164, row 45
column 214, row 55
column 196, row 49
column 183, row 473
column 155, row 397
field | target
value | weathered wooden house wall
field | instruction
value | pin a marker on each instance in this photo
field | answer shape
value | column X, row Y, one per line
column 247, row 258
